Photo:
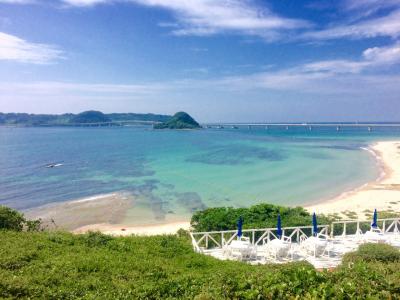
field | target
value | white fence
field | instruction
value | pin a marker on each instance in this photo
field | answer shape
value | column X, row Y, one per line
column 349, row 227
column 217, row 239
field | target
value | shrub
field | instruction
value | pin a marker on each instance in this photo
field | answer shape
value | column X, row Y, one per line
column 373, row 252
column 257, row 216
column 96, row 239
column 11, row 219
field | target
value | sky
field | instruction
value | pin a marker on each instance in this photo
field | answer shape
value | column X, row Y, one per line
column 219, row 60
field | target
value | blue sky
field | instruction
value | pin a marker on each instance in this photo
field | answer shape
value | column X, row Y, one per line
column 226, row 60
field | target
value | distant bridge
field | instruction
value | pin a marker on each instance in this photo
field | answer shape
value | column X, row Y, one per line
column 287, row 126
column 310, row 126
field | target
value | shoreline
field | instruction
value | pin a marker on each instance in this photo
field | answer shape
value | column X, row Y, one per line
column 146, row 230
column 342, row 194
column 383, row 193
column 106, row 212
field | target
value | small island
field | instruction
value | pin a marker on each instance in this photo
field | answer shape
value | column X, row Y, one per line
column 181, row 120
column 90, row 116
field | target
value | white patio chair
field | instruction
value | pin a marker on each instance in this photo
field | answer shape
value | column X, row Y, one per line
column 241, row 249
column 315, row 245
column 277, row 249
column 375, row 235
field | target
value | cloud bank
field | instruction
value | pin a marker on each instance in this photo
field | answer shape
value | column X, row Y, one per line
column 16, row 49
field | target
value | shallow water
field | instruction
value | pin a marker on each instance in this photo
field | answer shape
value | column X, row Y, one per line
column 173, row 173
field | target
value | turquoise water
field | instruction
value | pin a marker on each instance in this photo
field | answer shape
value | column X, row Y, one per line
column 178, row 172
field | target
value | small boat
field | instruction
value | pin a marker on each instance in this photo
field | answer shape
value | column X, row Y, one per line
column 235, row 127
column 54, row 165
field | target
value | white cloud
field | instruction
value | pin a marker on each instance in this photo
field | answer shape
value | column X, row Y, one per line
column 17, row 1
column 85, row 2
column 368, row 7
column 207, row 17
column 339, row 76
column 16, row 49
column 388, row 25
column 371, row 58
column 65, row 87
column 383, row 55
column 328, row 76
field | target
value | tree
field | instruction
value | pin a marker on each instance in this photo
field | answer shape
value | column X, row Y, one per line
column 11, row 219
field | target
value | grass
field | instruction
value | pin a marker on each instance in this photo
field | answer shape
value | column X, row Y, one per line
column 59, row 265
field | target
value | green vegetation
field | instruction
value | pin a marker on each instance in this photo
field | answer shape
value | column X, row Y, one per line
column 23, row 119
column 257, row 216
column 59, row 265
column 90, row 116
column 374, row 253
column 180, row 120
column 13, row 220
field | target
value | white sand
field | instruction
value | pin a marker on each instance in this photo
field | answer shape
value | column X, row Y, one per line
column 70, row 215
column 382, row 194
column 103, row 213
column 169, row 228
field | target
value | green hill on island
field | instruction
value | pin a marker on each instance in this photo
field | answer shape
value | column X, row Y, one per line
column 90, row 116
column 181, row 120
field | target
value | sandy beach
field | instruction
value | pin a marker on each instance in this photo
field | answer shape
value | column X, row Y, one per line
column 122, row 230
column 103, row 213
column 382, row 194
column 70, row 215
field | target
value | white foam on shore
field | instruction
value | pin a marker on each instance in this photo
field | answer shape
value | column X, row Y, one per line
column 350, row 191
column 379, row 162
column 94, row 198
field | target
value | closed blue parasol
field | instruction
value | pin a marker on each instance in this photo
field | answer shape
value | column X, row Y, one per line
column 374, row 223
column 240, row 224
column 279, row 226
column 315, row 224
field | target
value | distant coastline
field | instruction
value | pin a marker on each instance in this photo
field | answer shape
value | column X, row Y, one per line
column 87, row 118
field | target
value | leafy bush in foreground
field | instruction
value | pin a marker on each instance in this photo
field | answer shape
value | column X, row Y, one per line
column 375, row 253
column 13, row 220
column 257, row 216
column 57, row 265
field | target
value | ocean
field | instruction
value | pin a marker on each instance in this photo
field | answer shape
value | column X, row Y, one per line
column 179, row 172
